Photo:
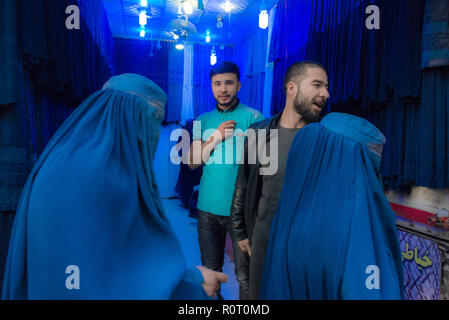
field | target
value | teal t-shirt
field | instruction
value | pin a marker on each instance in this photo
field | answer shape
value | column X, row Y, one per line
column 220, row 171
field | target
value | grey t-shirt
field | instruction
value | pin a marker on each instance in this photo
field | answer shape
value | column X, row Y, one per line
column 272, row 185
column 268, row 203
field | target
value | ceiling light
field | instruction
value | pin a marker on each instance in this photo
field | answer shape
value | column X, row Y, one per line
column 227, row 6
column 213, row 57
column 143, row 17
column 263, row 19
column 188, row 7
column 219, row 22
column 179, row 45
column 144, row 3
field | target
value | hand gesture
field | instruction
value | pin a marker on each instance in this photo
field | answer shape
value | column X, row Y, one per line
column 225, row 130
column 212, row 280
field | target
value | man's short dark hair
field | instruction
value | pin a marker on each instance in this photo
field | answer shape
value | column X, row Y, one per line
column 225, row 67
column 299, row 70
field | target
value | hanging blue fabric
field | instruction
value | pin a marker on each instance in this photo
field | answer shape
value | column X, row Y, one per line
column 433, row 128
column 203, row 99
column 91, row 204
column 334, row 235
column 250, row 55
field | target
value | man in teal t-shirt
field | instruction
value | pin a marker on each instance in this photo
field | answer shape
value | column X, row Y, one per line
column 218, row 138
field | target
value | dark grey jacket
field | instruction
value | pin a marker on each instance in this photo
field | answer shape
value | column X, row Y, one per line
column 248, row 186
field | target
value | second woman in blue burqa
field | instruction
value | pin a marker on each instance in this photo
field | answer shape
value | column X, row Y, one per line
column 334, row 234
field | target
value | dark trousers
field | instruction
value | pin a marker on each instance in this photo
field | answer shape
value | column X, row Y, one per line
column 6, row 223
column 258, row 252
column 212, row 231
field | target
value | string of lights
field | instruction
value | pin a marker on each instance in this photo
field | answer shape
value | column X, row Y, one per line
column 185, row 9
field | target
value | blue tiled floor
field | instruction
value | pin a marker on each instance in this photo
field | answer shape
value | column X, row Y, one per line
column 186, row 230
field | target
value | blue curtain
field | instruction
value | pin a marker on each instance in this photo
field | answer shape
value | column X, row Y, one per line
column 203, row 99
column 143, row 57
column 433, row 143
column 187, row 88
column 46, row 71
column 72, row 63
column 329, row 32
column 51, row 70
column 158, row 61
column 175, row 84
column 9, row 52
column 376, row 74
column 251, row 56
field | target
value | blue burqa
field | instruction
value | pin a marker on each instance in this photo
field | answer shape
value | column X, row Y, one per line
column 90, row 224
column 334, row 234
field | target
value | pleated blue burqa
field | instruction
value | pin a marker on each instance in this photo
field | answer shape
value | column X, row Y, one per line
column 334, row 234
column 90, row 224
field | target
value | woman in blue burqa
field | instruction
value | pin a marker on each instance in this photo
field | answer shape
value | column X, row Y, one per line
column 90, row 224
column 334, row 234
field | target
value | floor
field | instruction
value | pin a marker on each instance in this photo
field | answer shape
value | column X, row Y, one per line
column 186, row 230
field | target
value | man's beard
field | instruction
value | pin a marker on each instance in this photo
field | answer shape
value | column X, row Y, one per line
column 230, row 103
column 305, row 109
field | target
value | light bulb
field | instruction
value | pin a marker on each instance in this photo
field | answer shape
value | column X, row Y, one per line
column 227, row 6
column 144, row 3
column 263, row 19
column 143, row 17
column 219, row 22
column 213, row 59
column 188, row 7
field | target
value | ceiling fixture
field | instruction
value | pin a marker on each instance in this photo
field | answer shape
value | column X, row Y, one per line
column 213, row 57
column 219, row 22
column 263, row 19
column 179, row 45
column 144, row 3
column 188, row 6
column 263, row 16
column 143, row 17
column 227, row 6
column 180, row 29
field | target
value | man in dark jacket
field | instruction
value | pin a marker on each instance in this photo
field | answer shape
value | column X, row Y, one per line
column 258, row 189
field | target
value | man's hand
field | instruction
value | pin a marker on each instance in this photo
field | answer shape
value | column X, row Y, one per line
column 244, row 246
column 224, row 131
column 212, row 280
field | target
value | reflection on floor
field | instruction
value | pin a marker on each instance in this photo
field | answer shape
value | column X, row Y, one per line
column 186, row 230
